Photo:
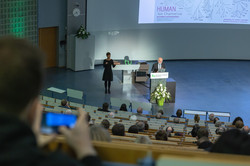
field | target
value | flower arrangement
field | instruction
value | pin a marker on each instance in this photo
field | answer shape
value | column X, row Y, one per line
column 161, row 94
column 82, row 33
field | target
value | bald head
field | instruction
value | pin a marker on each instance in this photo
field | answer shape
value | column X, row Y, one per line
column 160, row 60
column 139, row 110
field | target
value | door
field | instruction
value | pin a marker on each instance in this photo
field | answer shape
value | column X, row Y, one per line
column 48, row 43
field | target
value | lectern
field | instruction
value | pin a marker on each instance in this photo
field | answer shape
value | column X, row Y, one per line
column 155, row 80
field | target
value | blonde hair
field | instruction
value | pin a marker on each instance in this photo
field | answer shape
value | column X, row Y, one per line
column 98, row 133
column 196, row 118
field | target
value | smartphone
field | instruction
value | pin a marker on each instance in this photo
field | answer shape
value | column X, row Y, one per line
column 51, row 122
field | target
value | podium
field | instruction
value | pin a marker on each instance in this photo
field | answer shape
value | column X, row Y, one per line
column 162, row 78
column 127, row 72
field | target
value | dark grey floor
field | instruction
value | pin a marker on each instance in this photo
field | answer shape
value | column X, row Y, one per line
column 200, row 85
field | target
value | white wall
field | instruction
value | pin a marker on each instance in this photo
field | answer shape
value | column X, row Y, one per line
column 171, row 41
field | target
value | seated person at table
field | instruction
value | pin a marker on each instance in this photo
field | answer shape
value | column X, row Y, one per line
column 123, row 107
column 65, row 104
column 178, row 113
column 203, row 141
column 105, row 107
column 21, row 81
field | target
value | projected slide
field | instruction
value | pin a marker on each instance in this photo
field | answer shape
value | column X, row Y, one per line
column 194, row 11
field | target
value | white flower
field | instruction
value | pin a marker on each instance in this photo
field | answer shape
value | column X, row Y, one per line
column 158, row 97
column 160, row 85
column 163, row 95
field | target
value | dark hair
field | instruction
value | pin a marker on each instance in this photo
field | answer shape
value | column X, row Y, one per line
column 234, row 142
column 161, row 135
column 108, row 53
column 21, row 66
column 195, row 129
column 220, row 130
column 133, row 129
column 239, row 124
column 196, row 118
column 236, row 119
column 105, row 123
column 105, row 106
column 123, row 107
column 215, row 119
column 64, row 102
column 146, row 125
column 202, row 132
column 179, row 113
column 161, row 111
column 118, row 129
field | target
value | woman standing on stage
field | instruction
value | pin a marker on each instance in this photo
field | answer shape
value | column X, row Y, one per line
column 108, row 74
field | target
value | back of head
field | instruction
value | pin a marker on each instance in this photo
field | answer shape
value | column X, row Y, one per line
column 141, row 126
column 237, row 119
column 195, row 129
column 161, row 112
column 216, row 119
column 123, row 107
column 21, row 66
column 202, row 132
column 234, row 142
column 133, row 129
column 98, row 133
column 197, row 118
column 118, row 129
column 220, row 130
column 105, row 124
column 143, row 140
column 218, row 123
column 158, row 116
column 211, row 117
column 105, row 106
column 139, row 110
column 179, row 113
column 64, row 102
column 169, row 130
column 239, row 124
column 161, row 135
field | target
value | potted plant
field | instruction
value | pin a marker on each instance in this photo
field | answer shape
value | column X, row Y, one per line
column 161, row 94
column 82, row 33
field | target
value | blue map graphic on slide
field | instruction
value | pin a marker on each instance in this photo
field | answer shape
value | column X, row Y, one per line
column 202, row 11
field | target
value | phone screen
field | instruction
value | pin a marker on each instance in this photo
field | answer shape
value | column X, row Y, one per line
column 51, row 122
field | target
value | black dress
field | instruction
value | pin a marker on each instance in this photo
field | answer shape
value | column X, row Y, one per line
column 108, row 74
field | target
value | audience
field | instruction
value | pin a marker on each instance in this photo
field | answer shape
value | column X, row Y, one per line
column 237, row 119
column 161, row 112
column 146, row 125
column 133, row 129
column 234, row 142
column 133, row 118
column 139, row 112
column 218, row 123
column 169, row 130
column 216, row 119
column 161, row 135
column 123, row 107
column 143, row 140
column 118, row 129
column 105, row 107
column 141, row 126
column 203, row 141
column 239, row 124
column 211, row 117
column 178, row 113
column 158, row 116
column 98, row 133
column 220, row 130
column 245, row 129
column 65, row 104
column 195, row 129
column 196, row 118
column 21, row 66
column 105, row 124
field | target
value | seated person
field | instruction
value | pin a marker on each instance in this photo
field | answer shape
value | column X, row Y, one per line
column 203, row 141
column 239, row 124
column 133, row 129
column 158, row 116
column 232, row 141
column 237, row 119
column 211, row 117
column 65, row 104
column 21, row 80
column 196, row 118
column 123, row 107
column 161, row 135
column 216, row 119
column 105, row 107
column 178, row 113
column 169, row 130
column 141, row 126
column 118, row 129
column 105, row 123
column 139, row 112
column 161, row 112
column 141, row 139
column 98, row 133
column 195, row 129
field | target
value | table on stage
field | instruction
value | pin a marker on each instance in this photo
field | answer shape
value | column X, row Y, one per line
column 128, row 72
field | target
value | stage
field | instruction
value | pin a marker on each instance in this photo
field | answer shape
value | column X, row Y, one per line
column 200, row 85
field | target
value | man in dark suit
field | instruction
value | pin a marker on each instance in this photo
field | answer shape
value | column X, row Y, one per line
column 158, row 66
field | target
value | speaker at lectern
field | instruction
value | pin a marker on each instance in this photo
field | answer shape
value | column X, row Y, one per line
column 155, row 80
